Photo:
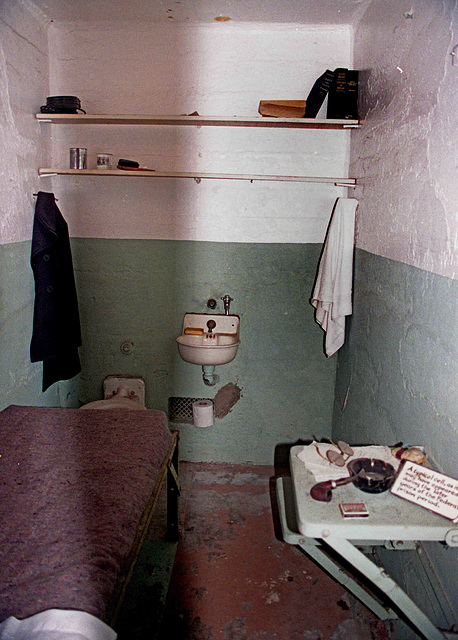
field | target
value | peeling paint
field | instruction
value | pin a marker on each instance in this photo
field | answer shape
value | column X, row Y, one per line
column 226, row 398
column 235, row 629
column 261, row 588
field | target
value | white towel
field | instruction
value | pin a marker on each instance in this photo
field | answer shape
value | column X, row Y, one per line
column 333, row 287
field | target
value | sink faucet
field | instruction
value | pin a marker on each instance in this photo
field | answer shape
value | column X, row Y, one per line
column 227, row 303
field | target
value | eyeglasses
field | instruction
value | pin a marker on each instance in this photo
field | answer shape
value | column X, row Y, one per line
column 337, row 456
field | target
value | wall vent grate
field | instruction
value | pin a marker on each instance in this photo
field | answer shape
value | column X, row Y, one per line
column 180, row 409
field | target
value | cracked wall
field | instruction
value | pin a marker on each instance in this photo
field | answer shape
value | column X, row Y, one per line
column 396, row 375
column 405, row 154
column 24, row 76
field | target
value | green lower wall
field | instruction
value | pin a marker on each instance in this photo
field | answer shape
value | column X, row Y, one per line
column 20, row 380
column 396, row 381
column 396, row 375
column 396, row 372
column 138, row 291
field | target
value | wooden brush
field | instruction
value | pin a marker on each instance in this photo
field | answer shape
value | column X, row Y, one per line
column 131, row 165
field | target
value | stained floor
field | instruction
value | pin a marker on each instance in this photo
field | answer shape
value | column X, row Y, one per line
column 233, row 578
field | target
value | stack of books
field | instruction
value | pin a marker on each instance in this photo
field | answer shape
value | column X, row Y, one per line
column 341, row 87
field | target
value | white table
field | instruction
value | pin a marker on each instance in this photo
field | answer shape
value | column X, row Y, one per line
column 392, row 522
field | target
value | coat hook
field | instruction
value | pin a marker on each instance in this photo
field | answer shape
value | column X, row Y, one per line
column 35, row 195
column 454, row 55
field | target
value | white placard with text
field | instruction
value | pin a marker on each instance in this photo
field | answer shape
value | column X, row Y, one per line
column 429, row 489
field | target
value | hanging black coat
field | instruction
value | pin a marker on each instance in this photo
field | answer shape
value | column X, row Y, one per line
column 56, row 332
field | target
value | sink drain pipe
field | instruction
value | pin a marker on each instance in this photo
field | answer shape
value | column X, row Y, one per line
column 209, row 376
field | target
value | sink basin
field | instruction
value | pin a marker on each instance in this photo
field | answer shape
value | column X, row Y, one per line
column 209, row 339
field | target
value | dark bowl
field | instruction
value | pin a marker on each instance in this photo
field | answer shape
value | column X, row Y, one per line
column 374, row 475
column 62, row 104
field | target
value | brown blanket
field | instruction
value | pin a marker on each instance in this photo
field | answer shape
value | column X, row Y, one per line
column 73, row 487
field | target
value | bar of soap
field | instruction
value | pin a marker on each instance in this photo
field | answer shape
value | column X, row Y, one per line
column 191, row 331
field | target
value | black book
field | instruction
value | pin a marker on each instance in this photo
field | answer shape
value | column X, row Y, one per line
column 318, row 93
column 352, row 94
column 343, row 95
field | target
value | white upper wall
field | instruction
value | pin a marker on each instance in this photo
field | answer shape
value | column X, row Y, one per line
column 206, row 11
column 217, row 69
column 221, row 69
column 23, row 84
column 406, row 153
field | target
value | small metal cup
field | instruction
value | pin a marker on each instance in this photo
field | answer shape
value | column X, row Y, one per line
column 78, row 158
column 104, row 160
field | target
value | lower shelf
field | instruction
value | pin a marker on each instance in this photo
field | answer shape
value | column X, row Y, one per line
column 105, row 173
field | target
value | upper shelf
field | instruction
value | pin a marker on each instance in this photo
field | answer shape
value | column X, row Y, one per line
column 199, row 121
column 198, row 176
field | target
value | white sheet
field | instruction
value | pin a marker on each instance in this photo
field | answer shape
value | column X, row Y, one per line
column 56, row 624
column 333, row 288
column 312, row 456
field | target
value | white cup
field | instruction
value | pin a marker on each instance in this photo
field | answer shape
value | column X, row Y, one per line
column 104, row 160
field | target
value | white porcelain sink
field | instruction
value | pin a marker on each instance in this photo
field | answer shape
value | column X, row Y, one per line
column 209, row 339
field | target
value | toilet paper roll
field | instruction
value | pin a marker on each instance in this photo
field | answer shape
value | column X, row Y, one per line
column 202, row 413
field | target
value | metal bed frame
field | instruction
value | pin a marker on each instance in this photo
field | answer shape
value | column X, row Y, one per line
column 168, row 473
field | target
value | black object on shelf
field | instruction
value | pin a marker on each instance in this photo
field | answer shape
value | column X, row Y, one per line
column 318, row 93
column 62, row 104
column 343, row 95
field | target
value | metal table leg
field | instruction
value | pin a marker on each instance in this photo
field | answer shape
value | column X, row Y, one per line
column 312, row 548
column 385, row 583
column 376, row 576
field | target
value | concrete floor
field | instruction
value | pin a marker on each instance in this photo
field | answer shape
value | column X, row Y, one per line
column 235, row 579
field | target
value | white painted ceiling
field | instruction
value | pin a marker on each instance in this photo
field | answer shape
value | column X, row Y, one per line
column 270, row 11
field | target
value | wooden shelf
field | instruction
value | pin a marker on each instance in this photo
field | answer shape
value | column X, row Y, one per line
column 104, row 173
column 197, row 121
